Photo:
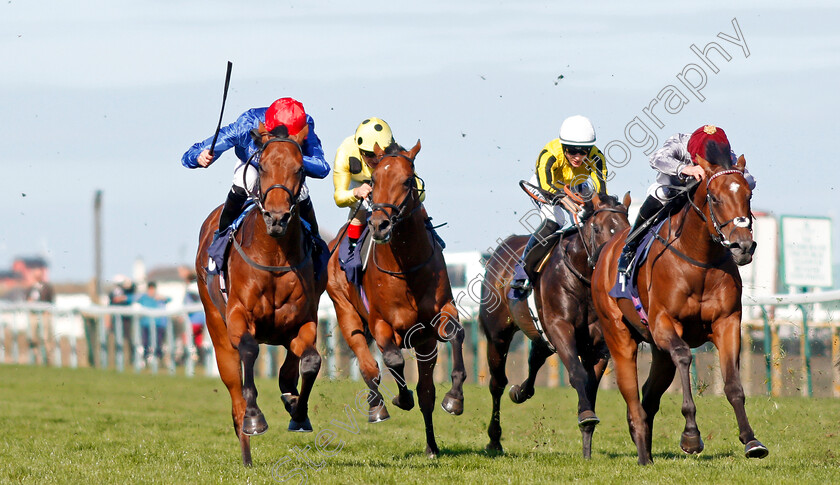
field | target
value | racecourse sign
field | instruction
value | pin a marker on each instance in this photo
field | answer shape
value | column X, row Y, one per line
column 806, row 251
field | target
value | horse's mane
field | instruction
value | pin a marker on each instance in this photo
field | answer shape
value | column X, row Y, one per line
column 719, row 154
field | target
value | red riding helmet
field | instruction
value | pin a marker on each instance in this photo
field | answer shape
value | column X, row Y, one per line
column 705, row 137
column 287, row 112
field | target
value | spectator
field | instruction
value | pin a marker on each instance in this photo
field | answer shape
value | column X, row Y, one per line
column 123, row 295
column 40, row 290
column 151, row 299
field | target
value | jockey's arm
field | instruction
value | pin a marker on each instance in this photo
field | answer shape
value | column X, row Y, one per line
column 234, row 134
column 314, row 164
column 341, row 176
column 598, row 169
column 673, row 156
column 545, row 171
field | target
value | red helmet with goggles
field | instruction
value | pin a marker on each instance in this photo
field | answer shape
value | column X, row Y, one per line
column 706, row 137
column 287, row 112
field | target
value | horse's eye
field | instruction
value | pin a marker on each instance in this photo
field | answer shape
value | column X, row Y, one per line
column 407, row 183
column 714, row 199
column 597, row 229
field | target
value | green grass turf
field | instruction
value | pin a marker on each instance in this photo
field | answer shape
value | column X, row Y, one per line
column 92, row 426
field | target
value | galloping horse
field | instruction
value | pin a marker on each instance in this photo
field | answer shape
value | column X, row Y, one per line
column 410, row 298
column 691, row 289
column 272, row 292
column 564, row 307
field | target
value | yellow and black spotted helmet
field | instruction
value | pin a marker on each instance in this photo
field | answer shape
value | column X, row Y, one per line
column 372, row 131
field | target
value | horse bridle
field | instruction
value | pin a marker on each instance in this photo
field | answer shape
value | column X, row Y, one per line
column 737, row 222
column 591, row 254
column 257, row 195
column 398, row 215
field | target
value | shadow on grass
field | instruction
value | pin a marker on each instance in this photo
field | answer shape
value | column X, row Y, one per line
column 668, row 455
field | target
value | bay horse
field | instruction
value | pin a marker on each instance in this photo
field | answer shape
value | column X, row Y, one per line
column 564, row 305
column 272, row 292
column 691, row 289
column 409, row 294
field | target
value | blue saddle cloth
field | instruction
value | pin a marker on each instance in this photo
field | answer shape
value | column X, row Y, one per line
column 628, row 288
column 351, row 261
column 219, row 248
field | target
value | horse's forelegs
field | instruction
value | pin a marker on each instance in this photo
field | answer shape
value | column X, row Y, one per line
column 497, row 350
column 355, row 337
column 661, row 375
column 303, row 347
column 690, row 441
column 626, row 376
column 230, row 370
column 288, row 375
column 254, row 422
column 427, row 358
column 727, row 339
column 539, row 353
column 383, row 333
column 450, row 329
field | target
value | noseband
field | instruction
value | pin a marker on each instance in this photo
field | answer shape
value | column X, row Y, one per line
column 258, row 196
column 398, row 213
column 737, row 222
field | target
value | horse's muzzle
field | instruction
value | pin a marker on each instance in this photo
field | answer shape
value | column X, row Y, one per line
column 742, row 251
column 276, row 222
column 381, row 228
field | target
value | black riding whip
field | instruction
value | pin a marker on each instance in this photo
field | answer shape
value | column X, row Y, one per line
column 224, row 98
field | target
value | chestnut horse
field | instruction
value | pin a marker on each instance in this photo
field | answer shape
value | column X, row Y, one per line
column 564, row 307
column 691, row 289
column 409, row 295
column 272, row 292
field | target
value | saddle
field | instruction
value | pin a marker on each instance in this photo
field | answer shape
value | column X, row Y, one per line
column 537, row 259
column 627, row 287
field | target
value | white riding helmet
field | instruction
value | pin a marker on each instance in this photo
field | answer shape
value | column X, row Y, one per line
column 577, row 130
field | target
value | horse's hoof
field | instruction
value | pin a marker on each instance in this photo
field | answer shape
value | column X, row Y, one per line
column 254, row 425
column 300, row 426
column 377, row 414
column 404, row 401
column 494, row 448
column 517, row 396
column 691, row 443
column 432, row 452
column 755, row 449
column 587, row 418
column 452, row 405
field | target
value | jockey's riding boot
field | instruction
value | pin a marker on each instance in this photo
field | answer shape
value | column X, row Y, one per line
column 307, row 213
column 532, row 255
column 233, row 207
column 431, row 228
column 650, row 207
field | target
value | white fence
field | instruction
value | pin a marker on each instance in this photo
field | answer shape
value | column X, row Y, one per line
column 776, row 353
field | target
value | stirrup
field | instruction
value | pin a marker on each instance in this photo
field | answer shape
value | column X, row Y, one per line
column 625, row 261
column 521, row 285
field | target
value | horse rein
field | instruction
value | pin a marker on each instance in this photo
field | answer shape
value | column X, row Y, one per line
column 591, row 255
column 740, row 221
column 258, row 196
column 398, row 215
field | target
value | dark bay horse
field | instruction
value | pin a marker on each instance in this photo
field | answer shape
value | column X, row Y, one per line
column 272, row 292
column 564, row 307
column 691, row 289
column 409, row 295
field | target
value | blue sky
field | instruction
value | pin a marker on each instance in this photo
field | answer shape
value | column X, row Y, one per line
column 100, row 95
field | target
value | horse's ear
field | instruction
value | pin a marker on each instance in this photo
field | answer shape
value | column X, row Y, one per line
column 257, row 137
column 378, row 151
column 301, row 135
column 626, row 201
column 741, row 165
column 414, row 150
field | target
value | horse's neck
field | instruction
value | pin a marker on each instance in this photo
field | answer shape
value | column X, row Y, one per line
column 278, row 252
column 577, row 254
column 693, row 235
column 409, row 245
